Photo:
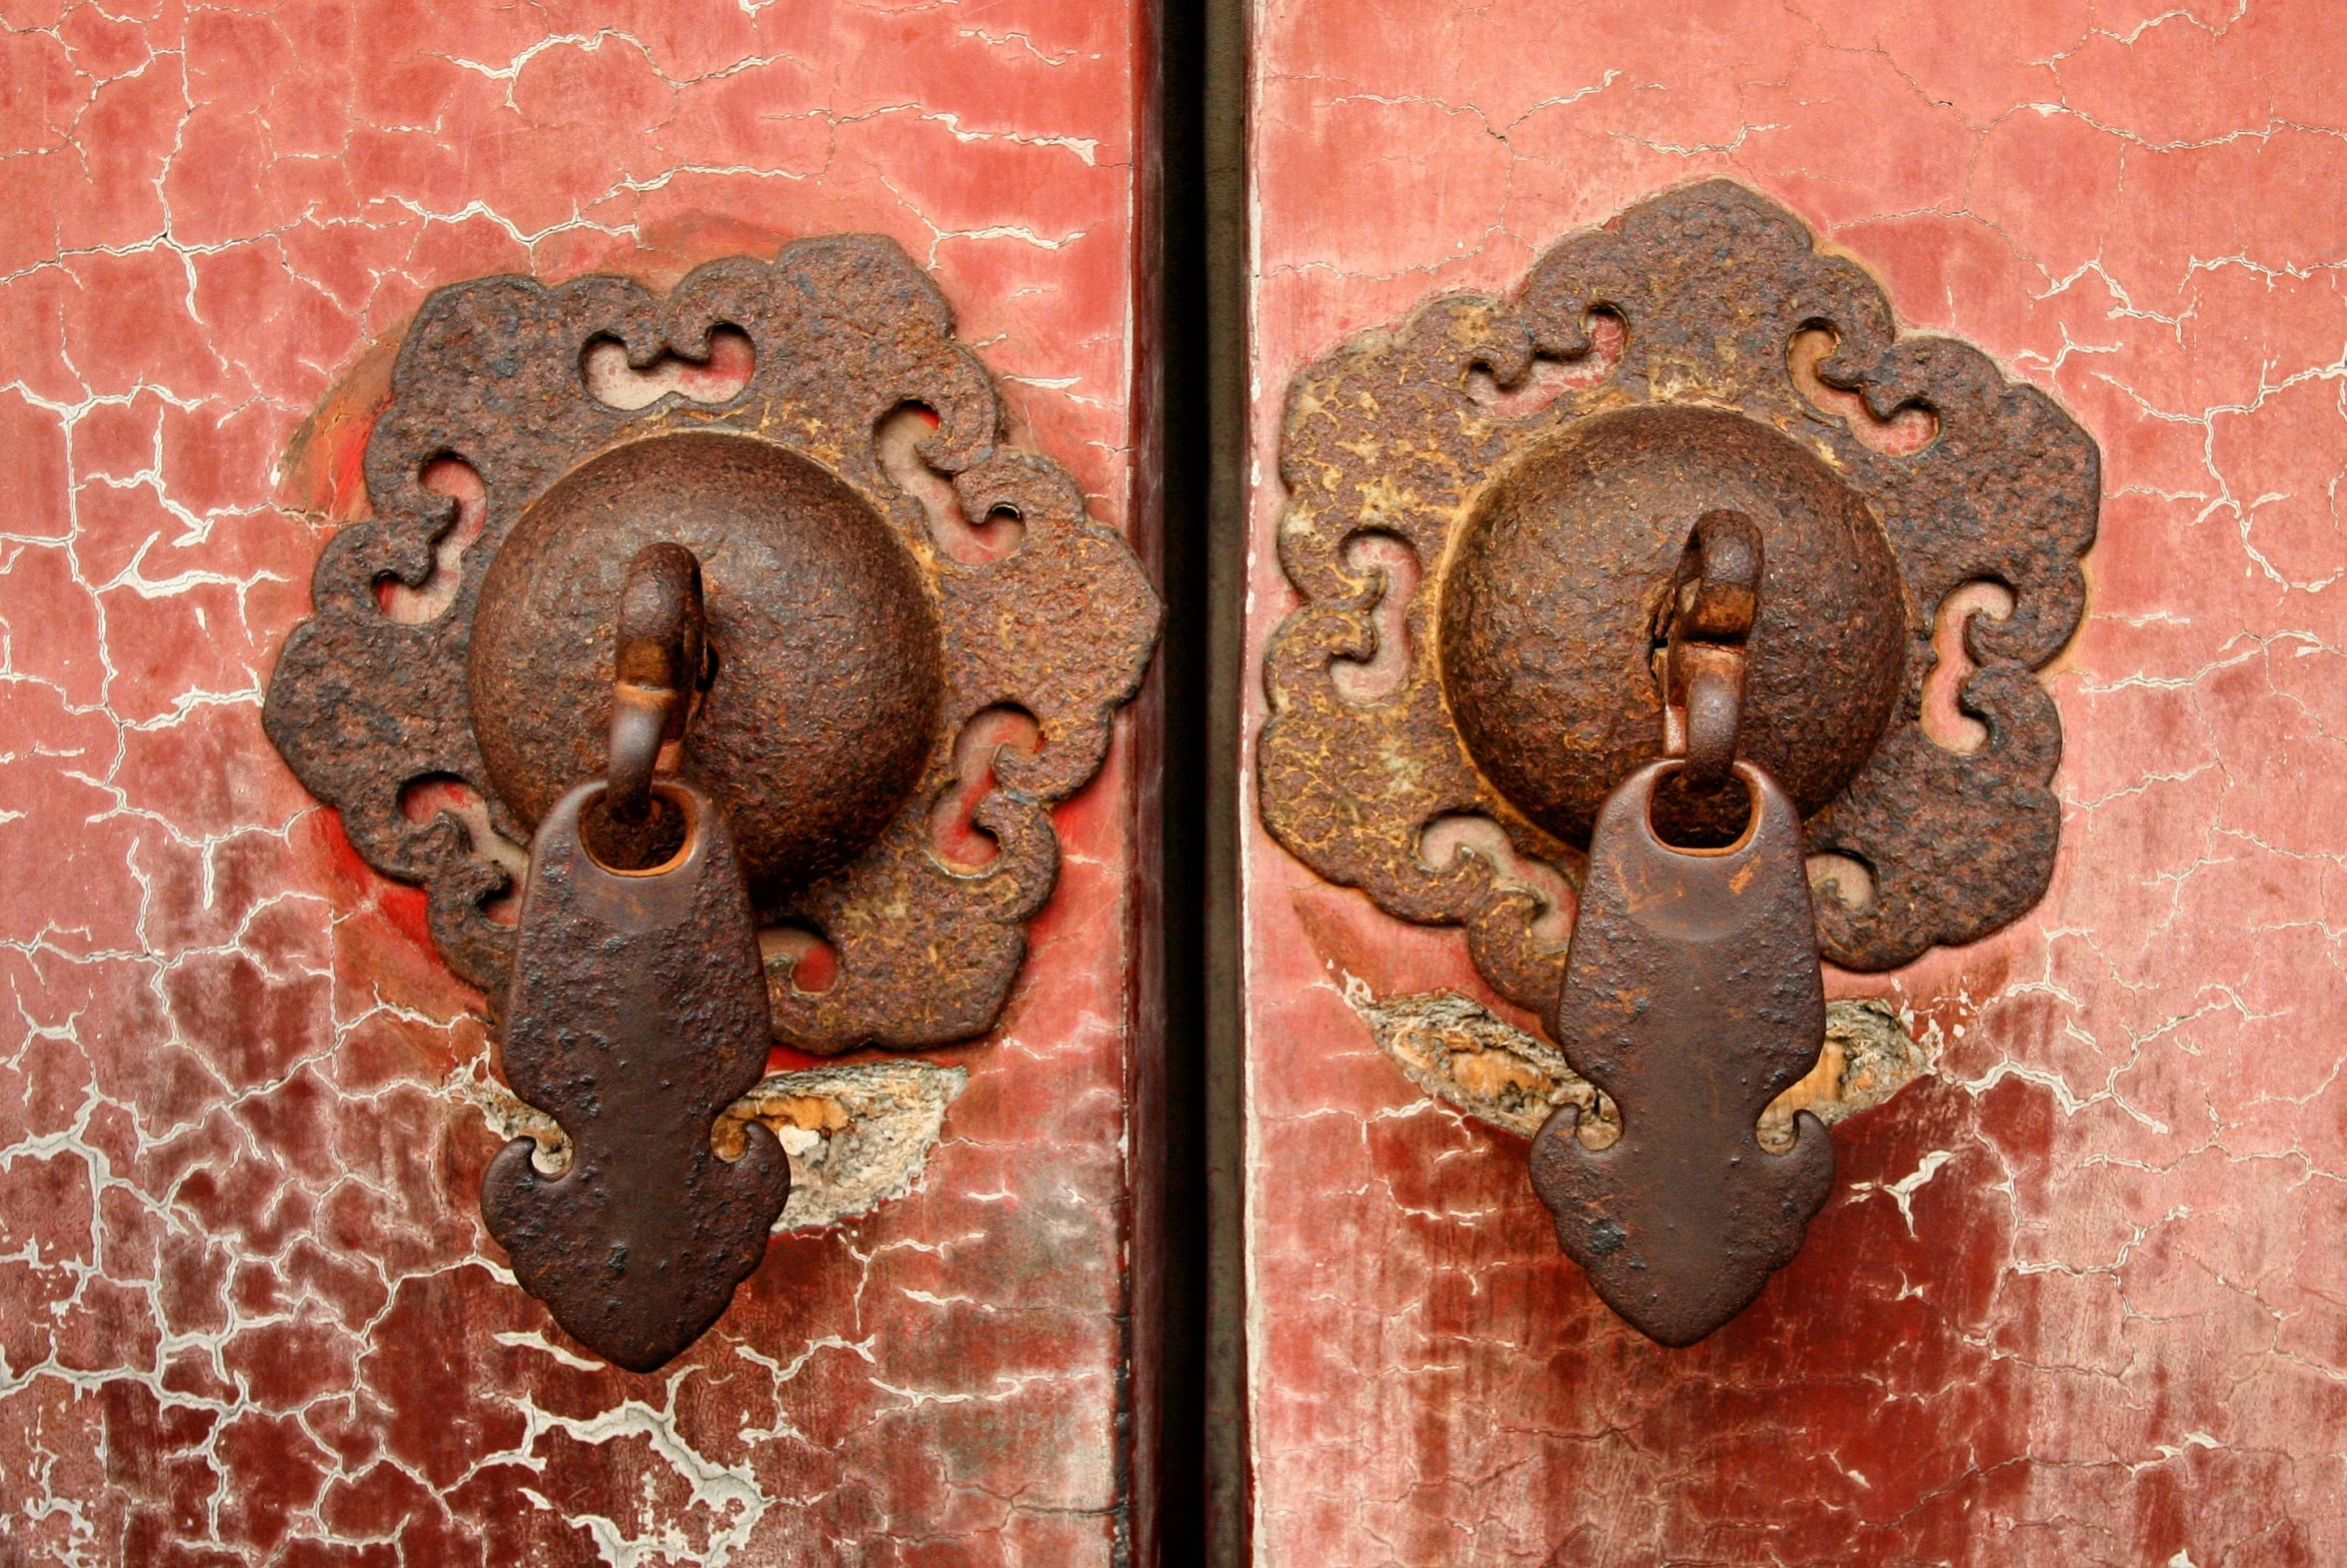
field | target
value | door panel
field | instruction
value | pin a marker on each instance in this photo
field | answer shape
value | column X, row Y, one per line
column 251, row 1313
column 2069, row 1302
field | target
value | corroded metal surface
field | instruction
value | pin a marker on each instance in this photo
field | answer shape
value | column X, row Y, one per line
column 1692, row 1001
column 1529, row 690
column 902, row 643
column 1564, row 574
column 822, row 710
column 636, row 1014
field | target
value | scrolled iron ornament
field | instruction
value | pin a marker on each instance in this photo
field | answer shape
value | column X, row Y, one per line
column 870, row 645
column 1545, row 538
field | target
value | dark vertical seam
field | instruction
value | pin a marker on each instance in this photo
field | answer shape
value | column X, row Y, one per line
column 1224, row 101
column 1170, row 1165
column 1156, row 1442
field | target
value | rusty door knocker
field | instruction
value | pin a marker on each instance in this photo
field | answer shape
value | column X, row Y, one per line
column 635, row 1014
column 712, row 662
column 1672, row 622
column 1692, row 999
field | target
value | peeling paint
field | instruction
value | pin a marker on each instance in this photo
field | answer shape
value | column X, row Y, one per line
column 858, row 1134
column 1465, row 1055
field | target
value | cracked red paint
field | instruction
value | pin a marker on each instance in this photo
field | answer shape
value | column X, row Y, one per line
column 2079, row 1299
column 247, row 1313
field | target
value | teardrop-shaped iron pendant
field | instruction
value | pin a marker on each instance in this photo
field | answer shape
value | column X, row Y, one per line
column 637, row 1012
column 1692, row 998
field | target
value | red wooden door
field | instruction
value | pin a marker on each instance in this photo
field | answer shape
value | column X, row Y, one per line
column 2076, row 1297
column 250, row 1312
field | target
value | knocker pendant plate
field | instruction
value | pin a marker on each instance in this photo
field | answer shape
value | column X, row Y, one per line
column 637, row 1013
column 1692, row 998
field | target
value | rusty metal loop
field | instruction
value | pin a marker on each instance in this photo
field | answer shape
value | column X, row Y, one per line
column 1715, row 702
column 1718, row 580
column 1715, row 594
column 656, row 668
